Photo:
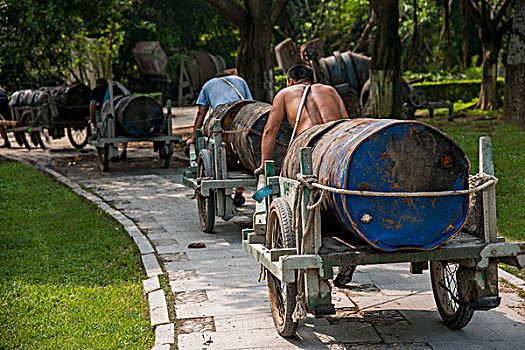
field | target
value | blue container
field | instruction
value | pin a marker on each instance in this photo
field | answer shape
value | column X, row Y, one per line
column 137, row 116
column 387, row 156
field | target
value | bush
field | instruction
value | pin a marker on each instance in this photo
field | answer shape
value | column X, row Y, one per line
column 157, row 96
column 455, row 90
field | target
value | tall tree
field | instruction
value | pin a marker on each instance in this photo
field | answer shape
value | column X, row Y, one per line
column 514, row 110
column 493, row 22
column 255, row 21
column 385, row 68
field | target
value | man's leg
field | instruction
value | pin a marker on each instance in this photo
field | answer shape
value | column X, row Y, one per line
column 3, row 132
column 238, row 198
column 124, row 154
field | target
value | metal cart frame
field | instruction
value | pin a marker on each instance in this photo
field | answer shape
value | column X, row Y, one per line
column 209, row 176
column 33, row 120
column 468, row 262
column 107, row 142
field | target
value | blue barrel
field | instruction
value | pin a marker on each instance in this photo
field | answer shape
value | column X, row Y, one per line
column 384, row 155
column 137, row 116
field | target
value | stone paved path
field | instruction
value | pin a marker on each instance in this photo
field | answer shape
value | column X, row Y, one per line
column 219, row 303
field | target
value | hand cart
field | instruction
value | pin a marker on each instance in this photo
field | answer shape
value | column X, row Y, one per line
column 106, row 141
column 213, row 183
column 33, row 119
column 463, row 270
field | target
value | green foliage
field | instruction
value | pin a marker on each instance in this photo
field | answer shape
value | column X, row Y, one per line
column 280, row 79
column 337, row 23
column 509, row 161
column 455, row 90
column 43, row 40
column 157, row 96
column 70, row 276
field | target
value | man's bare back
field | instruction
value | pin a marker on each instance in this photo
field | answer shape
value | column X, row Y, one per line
column 323, row 105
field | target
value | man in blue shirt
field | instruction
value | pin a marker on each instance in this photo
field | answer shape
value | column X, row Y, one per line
column 217, row 91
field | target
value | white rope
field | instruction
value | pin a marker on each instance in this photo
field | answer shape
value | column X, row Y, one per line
column 310, row 183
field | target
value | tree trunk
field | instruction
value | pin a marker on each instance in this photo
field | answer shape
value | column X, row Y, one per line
column 514, row 110
column 385, row 67
column 255, row 21
column 254, row 62
column 493, row 24
column 488, row 96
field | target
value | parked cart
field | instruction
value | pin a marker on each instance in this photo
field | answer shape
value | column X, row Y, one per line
column 299, row 254
column 53, row 110
column 133, row 119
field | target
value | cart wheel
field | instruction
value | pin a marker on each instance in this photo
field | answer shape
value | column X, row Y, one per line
column 103, row 158
column 279, row 234
column 37, row 139
column 165, row 158
column 78, row 137
column 451, row 294
column 33, row 135
column 206, row 205
column 21, row 139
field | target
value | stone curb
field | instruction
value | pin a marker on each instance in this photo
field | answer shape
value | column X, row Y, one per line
column 518, row 282
column 164, row 330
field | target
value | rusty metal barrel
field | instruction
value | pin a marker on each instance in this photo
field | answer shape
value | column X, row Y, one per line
column 243, row 124
column 226, row 113
column 382, row 155
column 137, row 116
column 347, row 72
column 72, row 101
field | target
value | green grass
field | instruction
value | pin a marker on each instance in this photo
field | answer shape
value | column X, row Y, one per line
column 70, row 277
column 508, row 142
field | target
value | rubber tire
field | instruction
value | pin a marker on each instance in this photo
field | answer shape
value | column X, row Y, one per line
column 19, row 138
column 280, row 224
column 453, row 319
column 37, row 139
column 72, row 140
column 206, row 205
column 103, row 158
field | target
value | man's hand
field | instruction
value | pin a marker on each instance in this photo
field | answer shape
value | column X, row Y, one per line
column 190, row 141
column 259, row 171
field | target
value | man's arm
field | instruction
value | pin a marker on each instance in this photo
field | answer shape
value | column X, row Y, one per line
column 271, row 129
column 92, row 106
column 201, row 113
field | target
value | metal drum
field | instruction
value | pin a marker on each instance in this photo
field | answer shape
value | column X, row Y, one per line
column 243, row 122
column 346, row 70
column 226, row 113
column 137, row 116
column 384, row 155
column 246, row 141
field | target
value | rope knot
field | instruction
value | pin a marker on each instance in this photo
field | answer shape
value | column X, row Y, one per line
column 300, row 308
column 307, row 180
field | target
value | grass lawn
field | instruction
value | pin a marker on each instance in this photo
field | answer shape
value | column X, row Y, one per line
column 70, row 277
column 508, row 142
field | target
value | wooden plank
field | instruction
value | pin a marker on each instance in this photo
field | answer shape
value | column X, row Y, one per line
column 486, row 165
column 8, row 122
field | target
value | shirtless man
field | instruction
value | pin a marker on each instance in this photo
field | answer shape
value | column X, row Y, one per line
column 323, row 105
